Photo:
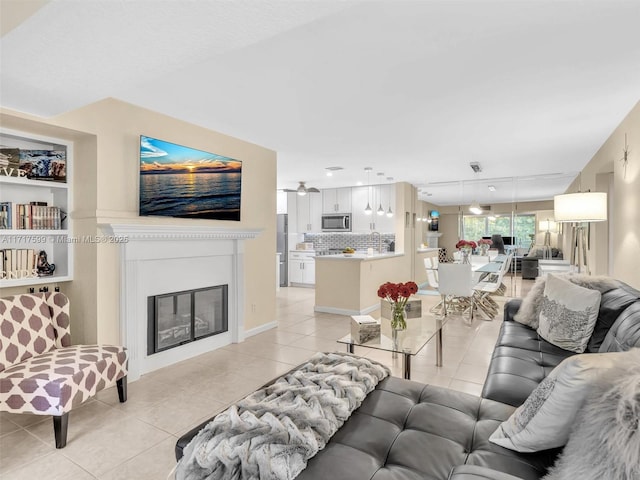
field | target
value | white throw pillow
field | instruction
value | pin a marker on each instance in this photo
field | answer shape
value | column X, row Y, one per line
column 545, row 419
column 568, row 314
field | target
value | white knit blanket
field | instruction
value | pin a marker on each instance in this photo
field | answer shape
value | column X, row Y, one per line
column 272, row 433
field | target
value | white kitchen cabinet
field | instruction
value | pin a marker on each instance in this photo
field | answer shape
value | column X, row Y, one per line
column 374, row 195
column 336, row 200
column 385, row 195
column 360, row 221
column 302, row 268
column 308, row 213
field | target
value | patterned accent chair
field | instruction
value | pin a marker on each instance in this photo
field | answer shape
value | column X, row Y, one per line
column 40, row 371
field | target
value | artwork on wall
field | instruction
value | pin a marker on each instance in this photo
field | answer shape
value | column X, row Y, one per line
column 178, row 181
column 434, row 215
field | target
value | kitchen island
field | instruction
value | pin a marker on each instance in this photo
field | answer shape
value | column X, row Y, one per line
column 348, row 284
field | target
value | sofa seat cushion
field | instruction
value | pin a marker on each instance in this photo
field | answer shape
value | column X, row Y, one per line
column 408, row 430
column 520, row 361
column 54, row 382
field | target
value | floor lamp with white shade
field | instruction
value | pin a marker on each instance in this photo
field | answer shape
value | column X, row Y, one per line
column 580, row 209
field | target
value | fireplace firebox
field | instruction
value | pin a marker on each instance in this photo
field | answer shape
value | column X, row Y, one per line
column 183, row 317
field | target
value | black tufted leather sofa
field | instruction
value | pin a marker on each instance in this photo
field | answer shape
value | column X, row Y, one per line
column 521, row 358
column 406, row 430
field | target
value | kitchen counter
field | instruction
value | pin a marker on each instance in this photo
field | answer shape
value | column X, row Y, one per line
column 349, row 285
column 359, row 256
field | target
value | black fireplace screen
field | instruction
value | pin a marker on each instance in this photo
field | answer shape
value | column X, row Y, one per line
column 182, row 317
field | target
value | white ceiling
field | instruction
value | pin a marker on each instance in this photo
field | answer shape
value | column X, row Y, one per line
column 414, row 89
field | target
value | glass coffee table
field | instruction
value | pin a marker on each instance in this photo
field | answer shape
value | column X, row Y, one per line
column 407, row 342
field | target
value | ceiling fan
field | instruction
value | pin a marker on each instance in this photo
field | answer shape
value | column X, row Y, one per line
column 303, row 189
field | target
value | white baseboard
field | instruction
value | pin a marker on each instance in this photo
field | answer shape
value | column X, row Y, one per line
column 344, row 311
column 260, row 329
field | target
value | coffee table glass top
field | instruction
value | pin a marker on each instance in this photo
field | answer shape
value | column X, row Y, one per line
column 410, row 341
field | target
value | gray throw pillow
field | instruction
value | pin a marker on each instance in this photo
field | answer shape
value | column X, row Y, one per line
column 568, row 314
column 545, row 419
column 529, row 312
column 605, row 439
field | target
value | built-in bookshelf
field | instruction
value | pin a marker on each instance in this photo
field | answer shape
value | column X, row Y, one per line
column 34, row 212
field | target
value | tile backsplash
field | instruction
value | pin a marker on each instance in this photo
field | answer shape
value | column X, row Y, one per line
column 359, row 241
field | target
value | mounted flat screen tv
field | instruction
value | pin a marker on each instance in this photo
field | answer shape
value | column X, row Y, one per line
column 178, row 181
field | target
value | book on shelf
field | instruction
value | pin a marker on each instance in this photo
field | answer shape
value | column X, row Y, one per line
column 5, row 216
column 32, row 216
column 18, row 263
column 44, row 164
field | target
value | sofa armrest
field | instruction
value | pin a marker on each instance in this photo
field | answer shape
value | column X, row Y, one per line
column 511, row 308
column 474, row 472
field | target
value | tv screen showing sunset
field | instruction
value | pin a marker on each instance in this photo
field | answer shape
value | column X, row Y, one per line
column 178, row 181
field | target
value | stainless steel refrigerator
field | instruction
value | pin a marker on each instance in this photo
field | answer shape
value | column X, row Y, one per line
column 282, row 247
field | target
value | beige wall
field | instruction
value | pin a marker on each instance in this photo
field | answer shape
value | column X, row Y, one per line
column 106, row 191
column 620, row 235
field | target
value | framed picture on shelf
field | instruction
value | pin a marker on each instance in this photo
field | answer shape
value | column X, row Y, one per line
column 9, row 162
column 44, row 164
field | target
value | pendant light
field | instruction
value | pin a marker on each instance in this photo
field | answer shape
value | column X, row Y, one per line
column 380, row 210
column 368, row 210
column 389, row 212
column 475, row 206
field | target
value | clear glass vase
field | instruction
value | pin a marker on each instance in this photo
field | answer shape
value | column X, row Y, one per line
column 398, row 317
column 484, row 249
column 466, row 253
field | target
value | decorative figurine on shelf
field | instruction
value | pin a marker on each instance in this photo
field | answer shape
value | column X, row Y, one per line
column 44, row 267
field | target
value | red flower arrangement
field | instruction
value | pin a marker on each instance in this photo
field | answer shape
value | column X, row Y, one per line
column 397, row 294
column 485, row 241
column 466, row 244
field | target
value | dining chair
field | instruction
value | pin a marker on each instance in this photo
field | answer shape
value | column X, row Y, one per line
column 455, row 283
column 491, row 285
column 431, row 268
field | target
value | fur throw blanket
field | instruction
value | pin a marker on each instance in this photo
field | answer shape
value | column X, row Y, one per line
column 271, row 433
column 605, row 440
column 529, row 312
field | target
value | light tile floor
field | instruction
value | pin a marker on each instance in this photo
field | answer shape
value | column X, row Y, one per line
column 135, row 440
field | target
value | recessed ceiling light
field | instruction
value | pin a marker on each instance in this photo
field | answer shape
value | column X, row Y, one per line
column 359, row 184
column 491, row 188
column 330, row 170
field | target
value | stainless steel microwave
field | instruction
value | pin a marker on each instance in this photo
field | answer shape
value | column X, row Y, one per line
column 339, row 222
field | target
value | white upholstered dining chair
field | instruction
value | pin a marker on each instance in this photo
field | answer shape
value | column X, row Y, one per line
column 455, row 283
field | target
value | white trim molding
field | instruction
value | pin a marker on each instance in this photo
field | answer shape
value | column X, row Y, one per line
column 176, row 232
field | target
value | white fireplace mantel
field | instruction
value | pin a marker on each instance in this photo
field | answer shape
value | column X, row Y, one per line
column 175, row 232
column 157, row 259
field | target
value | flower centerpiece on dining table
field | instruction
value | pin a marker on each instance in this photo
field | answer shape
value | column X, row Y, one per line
column 466, row 247
column 484, row 244
column 397, row 294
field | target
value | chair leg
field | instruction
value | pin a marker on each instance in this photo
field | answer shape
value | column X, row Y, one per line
column 60, row 425
column 121, row 384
